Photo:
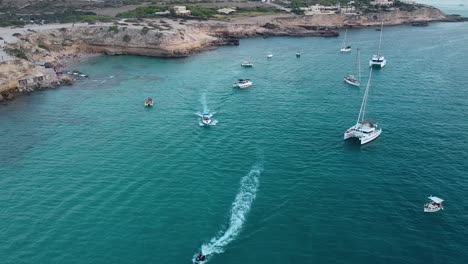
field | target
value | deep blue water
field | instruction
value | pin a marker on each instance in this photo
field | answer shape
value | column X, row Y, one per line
column 88, row 175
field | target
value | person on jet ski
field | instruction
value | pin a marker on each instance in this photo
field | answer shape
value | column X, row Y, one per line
column 200, row 257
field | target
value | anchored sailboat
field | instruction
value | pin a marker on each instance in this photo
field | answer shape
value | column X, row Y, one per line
column 345, row 47
column 351, row 78
column 378, row 60
column 365, row 131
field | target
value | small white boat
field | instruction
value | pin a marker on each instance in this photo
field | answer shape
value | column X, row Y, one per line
column 378, row 60
column 149, row 102
column 243, row 83
column 298, row 54
column 434, row 205
column 269, row 56
column 351, row 78
column 246, row 64
column 364, row 131
column 206, row 119
column 345, row 47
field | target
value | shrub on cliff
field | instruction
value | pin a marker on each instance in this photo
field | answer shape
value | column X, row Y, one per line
column 144, row 30
column 144, row 11
column 201, row 12
column 127, row 38
column 17, row 52
column 43, row 46
column 114, row 29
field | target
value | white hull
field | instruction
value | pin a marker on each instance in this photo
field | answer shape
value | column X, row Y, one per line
column 429, row 208
column 354, row 83
column 243, row 85
column 380, row 64
column 345, row 50
column 206, row 122
column 364, row 138
column 378, row 61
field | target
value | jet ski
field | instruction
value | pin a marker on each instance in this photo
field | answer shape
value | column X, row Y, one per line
column 200, row 258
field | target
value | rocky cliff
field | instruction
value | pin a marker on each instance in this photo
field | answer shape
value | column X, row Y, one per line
column 396, row 17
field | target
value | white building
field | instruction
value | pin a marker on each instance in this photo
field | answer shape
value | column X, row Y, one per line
column 226, row 11
column 382, row 2
column 320, row 9
column 181, row 11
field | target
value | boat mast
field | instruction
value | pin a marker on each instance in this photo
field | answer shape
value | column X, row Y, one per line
column 357, row 64
column 380, row 41
column 345, row 39
column 364, row 100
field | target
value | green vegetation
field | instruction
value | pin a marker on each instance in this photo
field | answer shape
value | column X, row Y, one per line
column 143, row 12
column 17, row 52
column 127, row 38
column 15, row 18
column 260, row 9
column 114, row 29
column 144, row 30
column 201, row 12
column 43, row 46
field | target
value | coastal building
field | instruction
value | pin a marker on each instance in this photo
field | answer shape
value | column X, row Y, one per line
column 382, row 2
column 181, row 11
column 226, row 11
column 320, row 9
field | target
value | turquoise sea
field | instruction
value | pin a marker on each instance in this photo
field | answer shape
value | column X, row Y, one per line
column 88, row 175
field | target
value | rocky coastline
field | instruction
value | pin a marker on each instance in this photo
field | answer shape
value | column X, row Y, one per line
column 44, row 55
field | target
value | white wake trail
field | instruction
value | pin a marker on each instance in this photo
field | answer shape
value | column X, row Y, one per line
column 239, row 210
column 203, row 102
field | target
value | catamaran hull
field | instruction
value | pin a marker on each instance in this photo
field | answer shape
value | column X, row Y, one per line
column 363, row 138
column 371, row 137
column 380, row 64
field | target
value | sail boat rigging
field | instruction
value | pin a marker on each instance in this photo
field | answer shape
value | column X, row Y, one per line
column 351, row 78
column 364, row 131
column 345, row 47
column 378, row 60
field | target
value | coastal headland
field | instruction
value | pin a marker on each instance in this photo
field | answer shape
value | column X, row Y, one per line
column 35, row 57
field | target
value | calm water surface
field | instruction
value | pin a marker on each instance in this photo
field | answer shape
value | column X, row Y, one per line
column 88, row 175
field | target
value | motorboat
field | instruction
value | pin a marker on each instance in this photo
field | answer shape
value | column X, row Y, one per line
column 298, row 54
column 149, row 102
column 269, row 56
column 345, row 47
column 243, row 83
column 206, row 119
column 378, row 60
column 246, row 64
column 434, row 205
column 364, row 131
column 351, row 78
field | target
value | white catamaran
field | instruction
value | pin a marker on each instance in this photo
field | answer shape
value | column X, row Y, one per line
column 351, row 78
column 345, row 47
column 365, row 131
column 378, row 60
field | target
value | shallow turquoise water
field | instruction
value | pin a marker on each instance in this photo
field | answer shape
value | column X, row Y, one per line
column 88, row 175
